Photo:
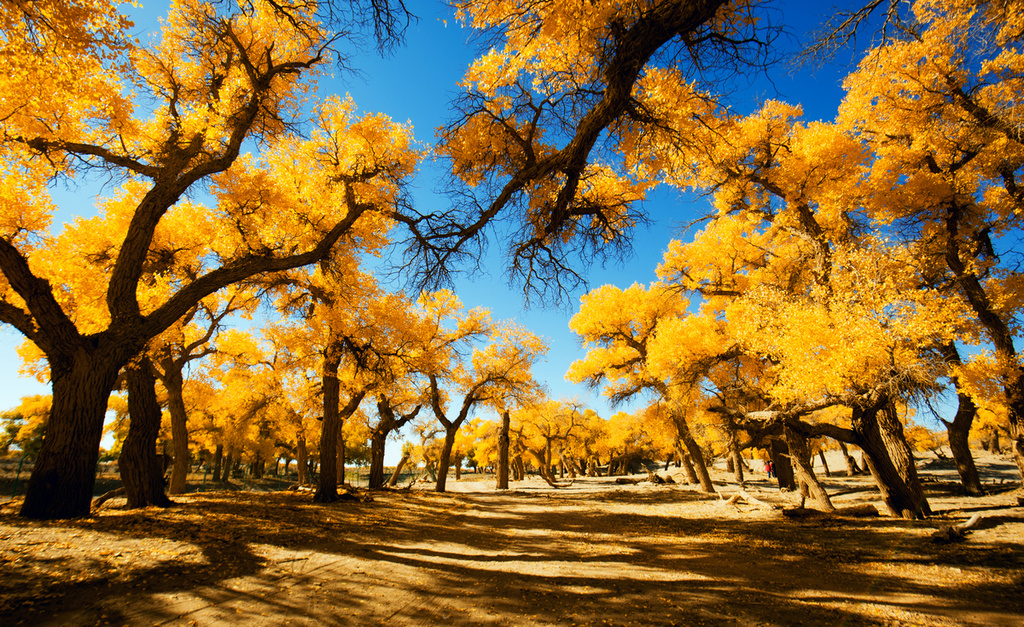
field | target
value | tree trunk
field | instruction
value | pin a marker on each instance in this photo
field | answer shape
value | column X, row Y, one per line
column 503, row 442
column 684, row 458
column 696, row 455
column 891, row 430
column 64, row 475
column 377, row 441
column 218, row 460
column 327, row 489
column 302, row 461
column 229, row 461
column 444, row 460
column 783, row 468
column 897, row 496
column 174, row 384
column 824, row 463
column 851, row 464
column 737, row 461
column 458, row 467
column 801, row 457
column 398, row 471
column 141, row 469
column 959, row 430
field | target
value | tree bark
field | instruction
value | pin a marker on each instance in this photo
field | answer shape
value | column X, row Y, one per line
column 64, row 475
column 398, row 471
column 902, row 457
column 327, row 489
column 444, row 459
column 174, row 383
column 851, row 464
column 388, row 422
column 824, row 463
column 218, row 459
column 684, row 458
column 779, row 451
column 229, row 462
column 897, row 496
column 958, row 431
column 141, row 470
column 695, row 454
column 377, row 440
column 503, row 444
column 302, row 460
column 800, row 455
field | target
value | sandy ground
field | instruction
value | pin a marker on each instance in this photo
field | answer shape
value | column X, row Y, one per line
column 593, row 553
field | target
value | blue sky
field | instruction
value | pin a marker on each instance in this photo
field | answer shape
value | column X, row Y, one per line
column 416, row 84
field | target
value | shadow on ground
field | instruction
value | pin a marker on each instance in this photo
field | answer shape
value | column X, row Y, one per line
column 633, row 555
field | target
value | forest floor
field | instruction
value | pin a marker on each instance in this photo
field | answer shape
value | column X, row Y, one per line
column 593, row 553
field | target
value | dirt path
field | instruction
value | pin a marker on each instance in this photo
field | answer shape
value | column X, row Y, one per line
column 593, row 554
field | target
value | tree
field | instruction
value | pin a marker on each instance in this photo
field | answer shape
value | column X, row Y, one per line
column 617, row 327
column 219, row 82
column 936, row 106
column 495, row 374
column 546, row 116
column 25, row 425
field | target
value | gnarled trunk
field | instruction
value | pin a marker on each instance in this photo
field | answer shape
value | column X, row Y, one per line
column 444, row 459
column 897, row 496
column 695, row 454
column 327, row 489
column 64, row 475
column 398, row 471
column 891, row 430
column 377, row 441
column 179, row 430
column 218, row 459
column 800, row 455
column 779, row 451
column 142, row 472
column 684, row 458
column 959, row 429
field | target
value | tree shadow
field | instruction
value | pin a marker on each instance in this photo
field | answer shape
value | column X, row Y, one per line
column 629, row 557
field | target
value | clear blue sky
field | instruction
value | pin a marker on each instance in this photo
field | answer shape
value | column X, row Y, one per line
column 416, row 84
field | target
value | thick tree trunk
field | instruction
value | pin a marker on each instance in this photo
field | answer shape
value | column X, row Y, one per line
column 327, row 489
column 783, row 468
column 695, row 454
column 444, row 460
column 1014, row 388
column 64, row 475
column 377, row 441
column 518, row 469
column 398, row 471
column 891, row 430
column 737, row 461
column 174, row 384
column 800, row 455
column 959, row 429
column 503, row 442
column 229, row 461
column 897, row 496
column 684, row 458
column 141, row 470
column 218, row 459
